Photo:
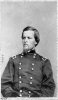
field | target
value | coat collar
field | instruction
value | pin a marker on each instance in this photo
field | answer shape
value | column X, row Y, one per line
column 29, row 52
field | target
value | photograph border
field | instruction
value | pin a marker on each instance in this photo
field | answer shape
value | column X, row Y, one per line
column 25, row 98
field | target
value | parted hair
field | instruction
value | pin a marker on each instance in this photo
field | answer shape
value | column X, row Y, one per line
column 36, row 33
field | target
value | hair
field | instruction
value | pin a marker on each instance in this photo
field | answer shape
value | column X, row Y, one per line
column 36, row 33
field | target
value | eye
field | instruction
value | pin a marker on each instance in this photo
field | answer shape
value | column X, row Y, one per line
column 29, row 38
column 23, row 37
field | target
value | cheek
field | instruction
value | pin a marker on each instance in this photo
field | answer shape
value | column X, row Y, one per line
column 22, row 41
column 32, row 43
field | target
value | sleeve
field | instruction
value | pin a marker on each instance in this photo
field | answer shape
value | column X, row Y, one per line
column 48, row 84
column 7, row 80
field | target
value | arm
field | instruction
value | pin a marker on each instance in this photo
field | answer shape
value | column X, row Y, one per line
column 7, row 80
column 48, row 84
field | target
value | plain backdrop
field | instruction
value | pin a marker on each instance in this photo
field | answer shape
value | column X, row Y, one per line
column 15, row 16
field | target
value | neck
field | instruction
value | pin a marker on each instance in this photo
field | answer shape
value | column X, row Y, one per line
column 26, row 51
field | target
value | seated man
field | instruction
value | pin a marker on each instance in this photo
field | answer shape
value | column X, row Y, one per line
column 28, row 74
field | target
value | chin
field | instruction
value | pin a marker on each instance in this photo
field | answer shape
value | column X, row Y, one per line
column 26, row 49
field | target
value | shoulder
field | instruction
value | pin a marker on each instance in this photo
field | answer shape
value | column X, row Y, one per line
column 15, row 57
column 41, row 57
column 44, row 58
column 45, row 61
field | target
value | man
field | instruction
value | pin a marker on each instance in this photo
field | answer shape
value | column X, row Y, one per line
column 28, row 74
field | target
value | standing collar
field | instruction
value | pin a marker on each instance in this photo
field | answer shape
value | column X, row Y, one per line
column 29, row 52
column 32, row 51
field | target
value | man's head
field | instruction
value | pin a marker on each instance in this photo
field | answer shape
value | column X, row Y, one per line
column 30, row 38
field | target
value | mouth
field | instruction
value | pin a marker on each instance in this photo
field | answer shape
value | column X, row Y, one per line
column 25, row 44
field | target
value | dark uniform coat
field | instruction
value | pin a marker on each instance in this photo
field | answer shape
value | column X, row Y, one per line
column 28, row 75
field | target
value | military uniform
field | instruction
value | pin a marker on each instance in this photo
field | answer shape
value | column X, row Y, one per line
column 28, row 75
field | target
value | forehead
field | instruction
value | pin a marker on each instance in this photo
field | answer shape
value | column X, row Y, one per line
column 28, row 33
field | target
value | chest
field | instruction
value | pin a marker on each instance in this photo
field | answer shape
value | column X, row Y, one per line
column 27, row 66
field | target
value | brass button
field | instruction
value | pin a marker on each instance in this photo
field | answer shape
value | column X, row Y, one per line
column 20, row 77
column 32, row 64
column 20, row 82
column 32, row 69
column 33, row 56
column 31, row 78
column 20, row 90
column 20, row 95
column 29, row 91
column 21, row 56
column 20, row 68
column 19, row 63
column 30, row 82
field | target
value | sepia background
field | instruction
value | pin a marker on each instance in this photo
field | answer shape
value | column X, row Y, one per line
column 15, row 16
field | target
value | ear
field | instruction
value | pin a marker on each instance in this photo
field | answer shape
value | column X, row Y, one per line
column 35, row 43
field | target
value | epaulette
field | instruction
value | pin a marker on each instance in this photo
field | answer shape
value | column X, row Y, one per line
column 44, row 59
column 14, row 57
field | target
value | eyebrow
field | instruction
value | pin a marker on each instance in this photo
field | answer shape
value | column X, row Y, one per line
column 27, row 36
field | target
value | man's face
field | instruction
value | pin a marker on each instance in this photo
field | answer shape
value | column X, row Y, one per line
column 28, row 40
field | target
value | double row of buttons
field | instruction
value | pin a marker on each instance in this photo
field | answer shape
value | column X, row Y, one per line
column 30, row 77
column 34, row 56
column 31, row 68
column 21, row 81
column 22, row 91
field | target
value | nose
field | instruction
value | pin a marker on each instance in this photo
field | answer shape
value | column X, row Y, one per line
column 25, row 40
